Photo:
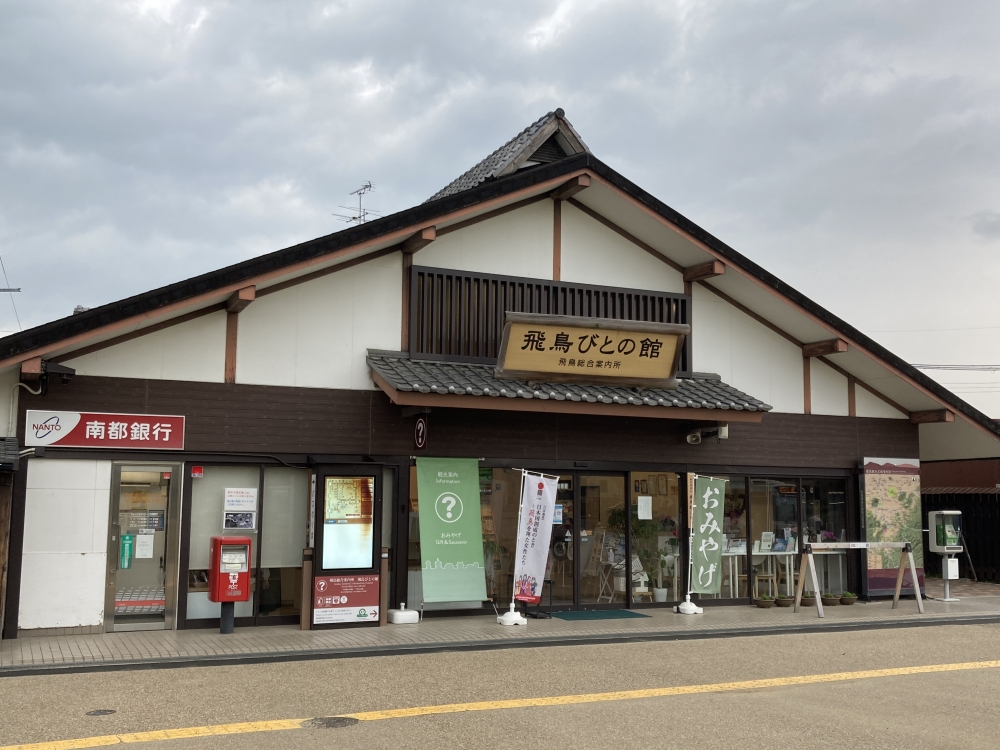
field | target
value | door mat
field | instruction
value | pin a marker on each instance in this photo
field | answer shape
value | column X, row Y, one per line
column 599, row 614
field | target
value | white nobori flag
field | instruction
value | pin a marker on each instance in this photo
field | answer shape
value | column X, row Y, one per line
column 538, row 502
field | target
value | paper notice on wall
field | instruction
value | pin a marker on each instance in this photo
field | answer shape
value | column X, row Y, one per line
column 143, row 546
column 241, row 499
column 645, row 508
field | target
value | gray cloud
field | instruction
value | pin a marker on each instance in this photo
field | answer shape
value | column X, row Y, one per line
column 986, row 224
column 844, row 146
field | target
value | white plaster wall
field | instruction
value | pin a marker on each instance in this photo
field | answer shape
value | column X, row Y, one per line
column 867, row 405
column 517, row 243
column 827, row 390
column 64, row 563
column 946, row 441
column 316, row 334
column 745, row 354
column 195, row 350
column 593, row 254
column 8, row 379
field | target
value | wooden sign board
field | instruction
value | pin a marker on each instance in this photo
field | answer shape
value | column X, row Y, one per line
column 566, row 349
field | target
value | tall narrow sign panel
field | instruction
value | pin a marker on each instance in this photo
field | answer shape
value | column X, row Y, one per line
column 706, row 539
column 538, row 502
column 451, row 530
column 892, row 514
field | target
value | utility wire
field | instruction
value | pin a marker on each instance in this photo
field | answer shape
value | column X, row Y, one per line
column 12, row 304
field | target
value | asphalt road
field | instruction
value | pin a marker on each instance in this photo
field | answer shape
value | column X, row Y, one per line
column 929, row 710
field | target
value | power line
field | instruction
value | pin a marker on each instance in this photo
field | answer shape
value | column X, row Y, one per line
column 969, row 368
column 11, row 293
column 935, row 330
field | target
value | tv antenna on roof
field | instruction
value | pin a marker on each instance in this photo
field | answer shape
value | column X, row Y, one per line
column 361, row 215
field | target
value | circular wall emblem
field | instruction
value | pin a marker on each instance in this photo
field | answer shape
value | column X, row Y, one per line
column 448, row 507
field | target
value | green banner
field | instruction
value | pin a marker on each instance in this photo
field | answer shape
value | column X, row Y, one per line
column 126, row 551
column 451, row 530
column 706, row 542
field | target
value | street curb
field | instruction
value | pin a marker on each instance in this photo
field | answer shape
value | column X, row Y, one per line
column 458, row 646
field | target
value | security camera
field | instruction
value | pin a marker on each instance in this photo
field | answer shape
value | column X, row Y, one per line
column 694, row 438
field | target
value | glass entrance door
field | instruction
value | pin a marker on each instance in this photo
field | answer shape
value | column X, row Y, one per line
column 142, row 547
column 602, row 538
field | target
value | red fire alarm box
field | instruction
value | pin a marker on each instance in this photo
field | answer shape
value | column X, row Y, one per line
column 229, row 575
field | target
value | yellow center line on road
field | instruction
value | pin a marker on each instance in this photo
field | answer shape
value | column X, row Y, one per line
column 250, row 727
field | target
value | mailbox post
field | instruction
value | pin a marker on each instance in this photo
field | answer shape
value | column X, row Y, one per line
column 229, row 576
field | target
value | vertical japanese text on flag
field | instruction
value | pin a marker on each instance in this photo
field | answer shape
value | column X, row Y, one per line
column 706, row 539
column 538, row 500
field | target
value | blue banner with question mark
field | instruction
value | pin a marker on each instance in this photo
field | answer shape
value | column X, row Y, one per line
column 451, row 530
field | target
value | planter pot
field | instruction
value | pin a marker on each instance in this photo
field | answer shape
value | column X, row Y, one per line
column 830, row 601
column 784, row 602
column 660, row 595
column 764, row 603
column 808, row 601
column 848, row 599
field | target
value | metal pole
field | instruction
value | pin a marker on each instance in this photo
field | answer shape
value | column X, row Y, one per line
column 228, row 618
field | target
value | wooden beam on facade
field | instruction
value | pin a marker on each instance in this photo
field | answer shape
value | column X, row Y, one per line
column 31, row 369
column 704, row 271
column 932, row 416
column 571, row 187
column 556, row 240
column 420, row 240
column 823, row 348
column 806, row 385
column 240, row 300
column 232, row 328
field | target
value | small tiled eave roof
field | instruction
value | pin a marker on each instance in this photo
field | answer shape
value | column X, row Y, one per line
column 20, row 345
column 701, row 392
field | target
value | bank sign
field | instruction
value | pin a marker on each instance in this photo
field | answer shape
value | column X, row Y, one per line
column 77, row 429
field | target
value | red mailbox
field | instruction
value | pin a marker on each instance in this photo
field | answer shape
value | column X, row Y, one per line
column 229, row 575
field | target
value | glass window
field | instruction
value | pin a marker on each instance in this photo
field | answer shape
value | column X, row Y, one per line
column 824, row 510
column 775, row 526
column 824, row 519
column 734, row 529
column 656, row 537
column 285, row 532
column 208, row 495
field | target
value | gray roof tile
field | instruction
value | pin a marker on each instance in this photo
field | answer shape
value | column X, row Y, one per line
column 493, row 164
column 464, row 378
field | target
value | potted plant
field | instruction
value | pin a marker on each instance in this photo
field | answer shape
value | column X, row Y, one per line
column 809, row 598
column 830, row 600
column 848, row 597
column 665, row 562
column 764, row 601
column 784, row 601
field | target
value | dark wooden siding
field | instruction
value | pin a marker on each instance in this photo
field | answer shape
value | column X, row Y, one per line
column 268, row 419
column 459, row 315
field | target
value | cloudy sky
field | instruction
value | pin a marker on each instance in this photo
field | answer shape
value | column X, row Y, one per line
column 849, row 147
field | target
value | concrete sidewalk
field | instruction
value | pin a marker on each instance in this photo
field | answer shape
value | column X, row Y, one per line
column 129, row 650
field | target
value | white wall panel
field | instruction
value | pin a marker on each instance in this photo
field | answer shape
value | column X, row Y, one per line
column 65, row 543
column 867, row 405
column 62, row 590
column 316, row 334
column 746, row 354
column 518, row 243
column 593, row 254
column 827, row 389
column 947, row 441
column 195, row 350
